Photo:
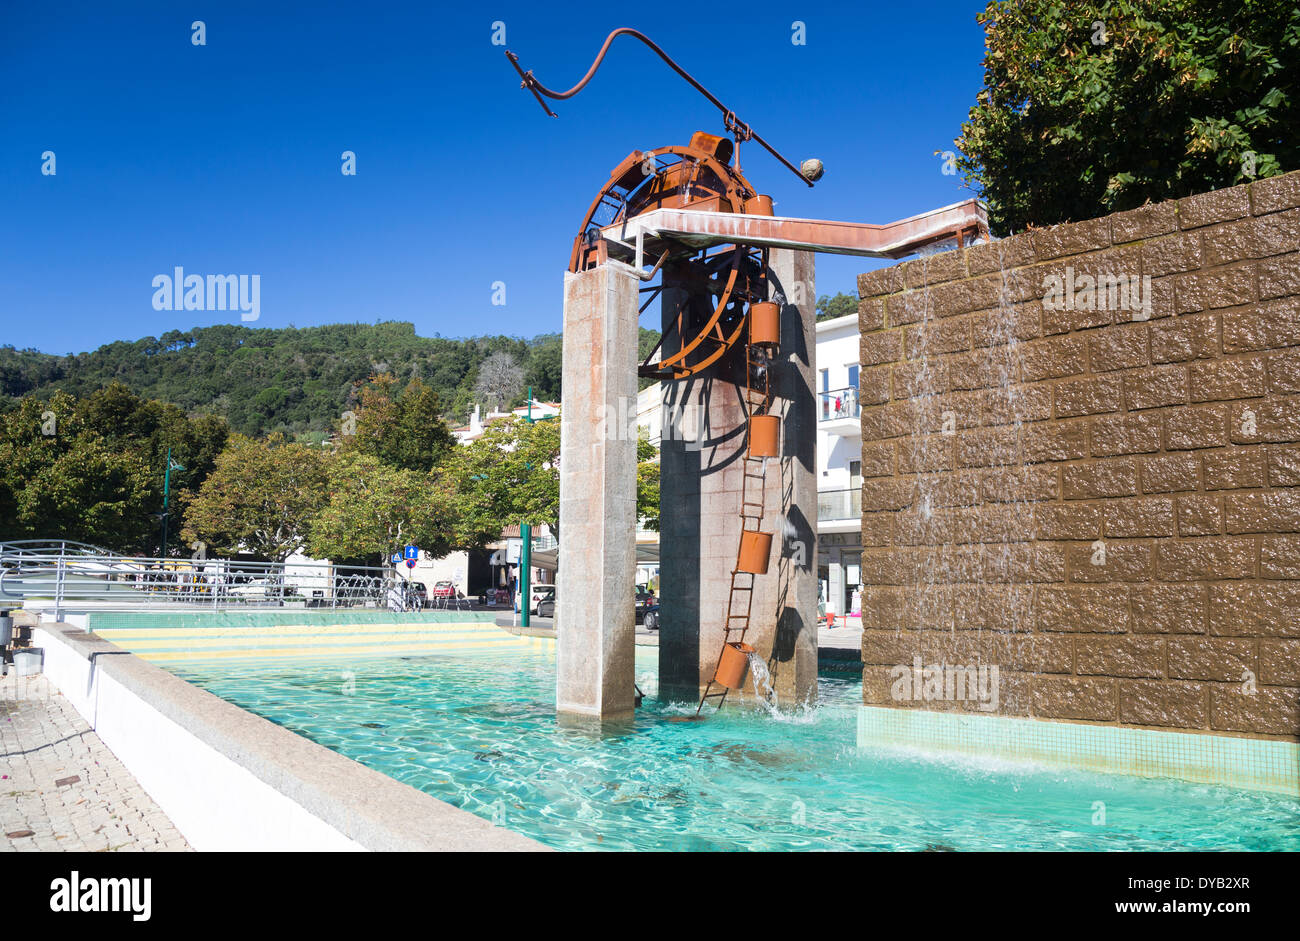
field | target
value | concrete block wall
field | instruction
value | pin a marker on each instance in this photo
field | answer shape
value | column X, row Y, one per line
column 1097, row 492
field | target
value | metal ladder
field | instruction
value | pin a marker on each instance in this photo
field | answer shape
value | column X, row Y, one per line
column 757, row 396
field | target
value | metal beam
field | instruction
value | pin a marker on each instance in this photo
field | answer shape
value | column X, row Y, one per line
column 700, row 229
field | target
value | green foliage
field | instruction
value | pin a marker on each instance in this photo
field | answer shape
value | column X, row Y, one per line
column 260, row 498
column 841, row 305
column 509, row 475
column 92, row 469
column 375, row 508
column 647, row 482
column 1096, row 106
column 403, row 429
column 289, row 380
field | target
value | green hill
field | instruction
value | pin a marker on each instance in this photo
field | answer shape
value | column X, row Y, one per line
column 291, row 380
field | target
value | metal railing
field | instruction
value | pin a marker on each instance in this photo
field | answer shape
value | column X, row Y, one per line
column 72, row 573
column 839, row 505
column 838, row 403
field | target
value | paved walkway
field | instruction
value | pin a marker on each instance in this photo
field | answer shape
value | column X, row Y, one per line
column 62, row 789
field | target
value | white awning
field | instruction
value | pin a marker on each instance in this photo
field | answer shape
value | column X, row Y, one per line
column 647, row 553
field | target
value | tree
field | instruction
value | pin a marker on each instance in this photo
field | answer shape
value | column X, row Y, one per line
column 405, row 430
column 92, row 468
column 1102, row 105
column 647, row 482
column 500, row 380
column 374, row 509
column 510, row 474
column 260, row 498
column 841, row 305
column 89, row 493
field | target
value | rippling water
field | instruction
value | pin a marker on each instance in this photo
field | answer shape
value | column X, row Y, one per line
column 478, row 730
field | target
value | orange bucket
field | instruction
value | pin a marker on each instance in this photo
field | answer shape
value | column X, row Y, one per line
column 765, row 324
column 732, row 665
column 759, row 206
column 755, row 547
column 764, row 436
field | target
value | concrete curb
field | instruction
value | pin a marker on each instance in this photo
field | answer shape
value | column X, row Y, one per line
column 364, row 807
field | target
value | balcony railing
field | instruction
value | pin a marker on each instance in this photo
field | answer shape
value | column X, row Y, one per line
column 839, row 505
column 838, row 404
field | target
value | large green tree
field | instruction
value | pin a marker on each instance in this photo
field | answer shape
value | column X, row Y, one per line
column 91, row 469
column 260, row 498
column 402, row 429
column 1094, row 106
column 511, row 475
column 374, row 509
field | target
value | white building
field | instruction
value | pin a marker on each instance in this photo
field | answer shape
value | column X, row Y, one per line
column 839, row 466
column 839, row 462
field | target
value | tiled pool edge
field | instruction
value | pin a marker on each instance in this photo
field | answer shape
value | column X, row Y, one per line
column 231, row 780
column 1247, row 763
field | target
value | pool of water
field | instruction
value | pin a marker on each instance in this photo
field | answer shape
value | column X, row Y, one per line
column 478, row 730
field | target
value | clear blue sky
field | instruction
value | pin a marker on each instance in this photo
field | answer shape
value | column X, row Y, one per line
column 225, row 158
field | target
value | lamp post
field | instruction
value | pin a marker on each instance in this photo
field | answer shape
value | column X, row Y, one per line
column 167, row 480
column 526, row 550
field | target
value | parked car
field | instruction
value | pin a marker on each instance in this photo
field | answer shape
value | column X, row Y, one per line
column 444, row 589
column 543, row 594
column 650, row 617
column 544, row 601
column 417, row 595
column 644, row 599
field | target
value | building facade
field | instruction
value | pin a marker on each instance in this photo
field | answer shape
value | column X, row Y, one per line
column 839, row 467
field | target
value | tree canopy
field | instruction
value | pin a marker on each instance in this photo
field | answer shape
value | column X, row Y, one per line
column 1096, row 106
column 260, row 498
column 91, row 469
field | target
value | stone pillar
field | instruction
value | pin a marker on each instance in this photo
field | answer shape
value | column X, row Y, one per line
column 596, row 578
column 701, row 457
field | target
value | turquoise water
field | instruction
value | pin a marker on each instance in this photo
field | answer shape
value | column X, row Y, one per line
column 478, row 730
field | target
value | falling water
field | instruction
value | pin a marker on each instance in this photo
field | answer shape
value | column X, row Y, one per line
column 761, row 676
column 953, row 505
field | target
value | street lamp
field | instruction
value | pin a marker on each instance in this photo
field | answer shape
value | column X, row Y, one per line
column 167, row 480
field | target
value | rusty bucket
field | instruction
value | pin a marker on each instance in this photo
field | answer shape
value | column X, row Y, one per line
column 755, row 547
column 765, row 324
column 759, row 206
column 764, row 436
column 732, row 665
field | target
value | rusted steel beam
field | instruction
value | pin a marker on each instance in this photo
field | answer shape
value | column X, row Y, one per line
column 700, row 229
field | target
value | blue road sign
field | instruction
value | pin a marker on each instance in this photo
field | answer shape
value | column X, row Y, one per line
column 412, row 552
column 410, row 563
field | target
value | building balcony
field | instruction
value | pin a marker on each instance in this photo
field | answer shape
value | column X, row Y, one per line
column 840, row 413
column 839, row 510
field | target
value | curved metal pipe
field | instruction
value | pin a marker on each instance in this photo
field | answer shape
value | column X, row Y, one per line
column 742, row 130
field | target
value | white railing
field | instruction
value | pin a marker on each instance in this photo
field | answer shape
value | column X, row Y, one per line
column 839, row 505
column 840, row 403
column 71, row 573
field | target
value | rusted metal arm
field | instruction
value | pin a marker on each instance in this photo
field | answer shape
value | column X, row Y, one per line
column 894, row 240
column 742, row 130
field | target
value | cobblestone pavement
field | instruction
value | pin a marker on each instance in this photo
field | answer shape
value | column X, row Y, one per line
column 62, row 788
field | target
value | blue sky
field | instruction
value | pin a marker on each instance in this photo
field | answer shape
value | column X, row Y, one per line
column 225, row 158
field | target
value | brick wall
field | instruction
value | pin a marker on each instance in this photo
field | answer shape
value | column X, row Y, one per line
column 1097, row 492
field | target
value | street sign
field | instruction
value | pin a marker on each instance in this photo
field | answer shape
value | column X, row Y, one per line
column 395, row 558
column 412, row 552
column 410, row 563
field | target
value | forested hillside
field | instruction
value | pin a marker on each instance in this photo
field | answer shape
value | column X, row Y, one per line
column 290, row 380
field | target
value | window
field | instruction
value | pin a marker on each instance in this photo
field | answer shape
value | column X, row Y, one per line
column 853, row 376
column 826, row 380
